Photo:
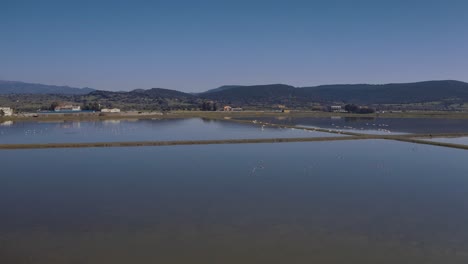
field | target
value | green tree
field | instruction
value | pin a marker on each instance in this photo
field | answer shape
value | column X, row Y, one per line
column 92, row 106
column 365, row 110
column 95, row 106
column 53, row 106
column 351, row 108
column 2, row 113
column 205, row 106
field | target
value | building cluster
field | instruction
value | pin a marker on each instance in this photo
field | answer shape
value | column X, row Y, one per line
column 337, row 109
column 6, row 111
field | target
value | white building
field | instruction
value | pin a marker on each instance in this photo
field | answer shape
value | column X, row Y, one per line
column 7, row 111
column 110, row 110
column 337, row 109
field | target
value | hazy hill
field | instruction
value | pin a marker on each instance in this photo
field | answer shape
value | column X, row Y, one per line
column 162, row 93
column 222, row 88
column 13, row 87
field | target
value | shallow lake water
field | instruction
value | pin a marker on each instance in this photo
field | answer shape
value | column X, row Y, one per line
column 371, row 125
column 141, row 130
column 454, row 140
column 368, row 201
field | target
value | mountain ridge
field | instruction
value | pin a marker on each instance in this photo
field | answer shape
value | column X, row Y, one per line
column 353, row 93
column 17, row 87
column 221, row 88
column 426, row 95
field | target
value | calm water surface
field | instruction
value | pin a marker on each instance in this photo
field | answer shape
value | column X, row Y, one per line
column 456, row 140
column 371, row 125
column 140, row 130
column 323, row 202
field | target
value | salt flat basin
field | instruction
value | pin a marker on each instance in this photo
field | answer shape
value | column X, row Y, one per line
column 377, row 126
column 141, row 130
column 369, row 201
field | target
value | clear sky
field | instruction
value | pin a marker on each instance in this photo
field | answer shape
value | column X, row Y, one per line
column 195, row 45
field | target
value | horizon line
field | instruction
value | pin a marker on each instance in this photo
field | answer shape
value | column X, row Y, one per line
column 239, row 85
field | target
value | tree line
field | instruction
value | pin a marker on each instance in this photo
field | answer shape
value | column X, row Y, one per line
column 352, row 108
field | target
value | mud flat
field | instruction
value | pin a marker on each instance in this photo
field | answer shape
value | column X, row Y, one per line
column 171, row 143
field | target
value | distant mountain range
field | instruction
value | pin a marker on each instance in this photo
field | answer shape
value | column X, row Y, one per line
column 13, row 87
column 401, row 93
column 440, row 95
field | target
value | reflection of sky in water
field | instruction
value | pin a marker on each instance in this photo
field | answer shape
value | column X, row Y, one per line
column 141, row 130
column 6, row 123
column 370, row 125
column 457, row 140
column 370, row 129
column 369, row 201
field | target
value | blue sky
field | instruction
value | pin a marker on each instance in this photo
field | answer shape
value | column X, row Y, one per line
column 198, row 45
